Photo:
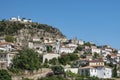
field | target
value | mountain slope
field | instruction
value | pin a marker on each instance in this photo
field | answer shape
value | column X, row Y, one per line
column 13, row 28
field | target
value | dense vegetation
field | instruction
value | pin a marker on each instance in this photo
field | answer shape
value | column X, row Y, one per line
column 11, row 28
column 4, row 75
column 26, row 59
column 66, row 59
column 58, row 70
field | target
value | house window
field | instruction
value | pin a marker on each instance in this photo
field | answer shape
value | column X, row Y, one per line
column 91, row 70
column 104, row 73
column 82, row 71
column 99, row 63
column 1, row 56
column 95, row 70
column 5, row 56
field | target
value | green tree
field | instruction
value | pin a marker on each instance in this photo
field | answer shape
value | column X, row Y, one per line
column 4, row 75
column 76, row 51
column 53, row 61
column 73, row 57
column 49, row 49
column 70, row 75
column 9, row 38
column 89, row 44
column 45, row 65
column 93, row 78
column 26, row 59
column 114, row 71
column 58, row 70
column 65, row 59
column 79, row 48
column 108, row 57
column 96, row 55
column 110, row 64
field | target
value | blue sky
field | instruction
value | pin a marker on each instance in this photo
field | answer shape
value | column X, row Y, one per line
column 89, row 20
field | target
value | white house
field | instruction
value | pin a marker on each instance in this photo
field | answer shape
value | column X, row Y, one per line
column 40, row 48
column 92, row 49
column 119, row 51
column 50, row 56
column 118, row 57
column 107, row 72
column 65, row 49
column 109, row 50
column 72, row 45
column 3, row 60
column 10, row 57
column 96, row 63
column 6, row 46
column 95, row 50
column 96, row 68
column 73, row 70
column 100, row 72
column 19, row 19
column 36, row 39
column 30, row 45
column 13, row 19
column 6, row 59
column 80, row 42
column 105, row 53
column 26, row 20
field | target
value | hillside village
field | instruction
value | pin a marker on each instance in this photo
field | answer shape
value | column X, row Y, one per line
column 90, row 59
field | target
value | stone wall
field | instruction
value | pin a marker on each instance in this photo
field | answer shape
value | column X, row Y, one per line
column 35, row 75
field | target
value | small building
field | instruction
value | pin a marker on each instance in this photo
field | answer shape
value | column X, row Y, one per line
column 119, row 51
column 96, row 68
column 95, row 50
column 80, row 42
column 109, row 50
column 100, row 72
column 23, row 20
column 73, row 70
column 6, row 60
column 50, row 56
column 72, row 45
column 89, row 56
column 3, row 61
column 37, row 46
column 118, row 57
column 6, row 46
column 65, row 49
column 95, row 63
